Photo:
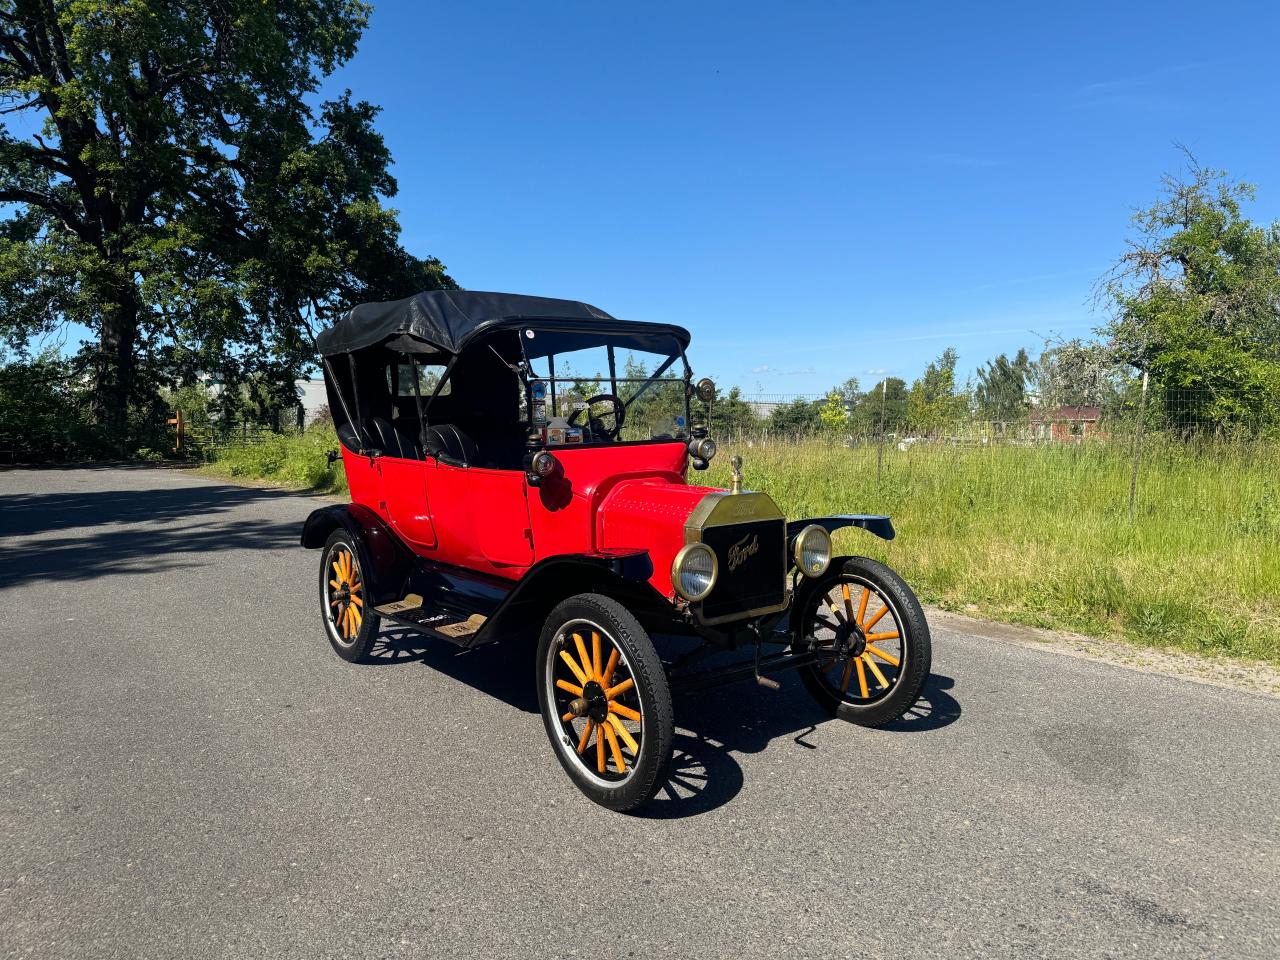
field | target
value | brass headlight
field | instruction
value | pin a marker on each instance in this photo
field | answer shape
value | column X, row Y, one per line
column 693, row 572
column 812, row 550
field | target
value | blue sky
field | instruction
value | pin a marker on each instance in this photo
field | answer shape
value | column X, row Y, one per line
column 816, row 190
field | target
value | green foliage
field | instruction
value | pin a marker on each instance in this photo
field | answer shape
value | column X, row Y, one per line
column 731, row 415
column 1197, row 302
column 798, row 418
column 296, row 460
column 182, row 198
column 1001, row 392
column 933, row 401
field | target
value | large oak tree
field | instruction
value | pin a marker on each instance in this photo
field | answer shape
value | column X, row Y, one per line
column 173, row 185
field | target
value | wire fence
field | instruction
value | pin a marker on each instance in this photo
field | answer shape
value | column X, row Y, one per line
column 1171, row 450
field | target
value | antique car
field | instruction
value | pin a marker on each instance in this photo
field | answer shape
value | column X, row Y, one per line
column 519, row 472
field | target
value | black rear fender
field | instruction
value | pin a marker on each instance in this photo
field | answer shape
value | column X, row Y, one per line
column 383, row 558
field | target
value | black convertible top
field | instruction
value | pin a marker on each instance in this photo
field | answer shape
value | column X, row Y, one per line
column 447, row 319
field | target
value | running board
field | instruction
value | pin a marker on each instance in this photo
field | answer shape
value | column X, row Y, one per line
column 433, row 621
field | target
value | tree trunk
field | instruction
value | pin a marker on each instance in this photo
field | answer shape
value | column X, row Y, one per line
column 114, row 370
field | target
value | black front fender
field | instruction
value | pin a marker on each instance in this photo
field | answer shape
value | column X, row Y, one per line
column 880, row 526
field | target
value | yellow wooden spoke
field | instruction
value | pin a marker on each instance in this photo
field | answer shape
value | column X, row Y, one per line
column 357, row 601
column 337, row 572
column 848, row 601
column 607, row 677
column 586, row 737
column 588, row 672
column 600, row 765
column 345, row 560
column 862, row 677
column 346, row 623
column 886, row 657
column 891, row 635
column 876, row 619
column 871, row 665
column 355, row 586
column 862, row 604
column 335, row 584
column 624, row 686
column 568, row 687
column 617, row 751
column 624, row 733
column 356, row 617
column 573, row 667
column 595, row 654
column 567, row 717
column 844, row 681
column 620, row 710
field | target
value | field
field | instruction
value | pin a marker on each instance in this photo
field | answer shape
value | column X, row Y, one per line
column 1029, row 534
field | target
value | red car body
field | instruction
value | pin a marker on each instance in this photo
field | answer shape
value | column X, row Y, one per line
column 622, row 498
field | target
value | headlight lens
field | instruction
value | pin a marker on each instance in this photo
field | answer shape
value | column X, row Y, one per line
column 703, row 449
column 813, row 551
column 543, row 464
column 693, row 572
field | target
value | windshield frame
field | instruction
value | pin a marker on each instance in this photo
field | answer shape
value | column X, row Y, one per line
column 528, row 376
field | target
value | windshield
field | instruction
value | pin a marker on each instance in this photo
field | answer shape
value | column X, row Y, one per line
column 645, row 372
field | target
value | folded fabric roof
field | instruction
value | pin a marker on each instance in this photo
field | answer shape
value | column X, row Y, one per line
column 448, row 319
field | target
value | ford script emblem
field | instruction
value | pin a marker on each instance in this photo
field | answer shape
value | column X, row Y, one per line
column 744, row 548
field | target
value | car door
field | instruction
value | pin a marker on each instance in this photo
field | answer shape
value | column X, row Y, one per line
column 404, row 487
column 500, row 516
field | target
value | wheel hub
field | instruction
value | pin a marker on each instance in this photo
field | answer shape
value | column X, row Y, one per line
column 595, row 703
column 850, row 640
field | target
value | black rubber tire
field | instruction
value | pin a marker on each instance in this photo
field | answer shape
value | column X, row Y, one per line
column 658, row 725
column 917, row 644
column 357, row 651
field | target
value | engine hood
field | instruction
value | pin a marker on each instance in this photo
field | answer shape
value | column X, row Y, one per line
column 661, row 517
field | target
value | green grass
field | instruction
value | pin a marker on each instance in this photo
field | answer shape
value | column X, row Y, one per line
column 296, row 461
column 1042, row 535
column 1036, row 535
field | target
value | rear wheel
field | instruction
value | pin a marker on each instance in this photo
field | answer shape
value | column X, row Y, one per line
column 605, row 701
column 350, row 625
column 875, row 645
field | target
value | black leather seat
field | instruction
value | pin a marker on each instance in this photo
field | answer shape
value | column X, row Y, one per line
column 451, row 445
column 391, row 440
column 348, row 437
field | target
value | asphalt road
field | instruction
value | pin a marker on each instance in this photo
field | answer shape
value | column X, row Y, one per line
column 188, row 771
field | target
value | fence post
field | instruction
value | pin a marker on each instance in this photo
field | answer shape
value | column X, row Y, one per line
column 884, row 388
column 1137, row 446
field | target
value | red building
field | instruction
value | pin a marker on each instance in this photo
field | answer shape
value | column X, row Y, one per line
column 1065, row 423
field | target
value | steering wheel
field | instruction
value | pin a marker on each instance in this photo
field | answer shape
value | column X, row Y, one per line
column 594, row 424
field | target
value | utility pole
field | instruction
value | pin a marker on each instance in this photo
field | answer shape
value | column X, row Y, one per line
column 1137, row 447
column 884, row 389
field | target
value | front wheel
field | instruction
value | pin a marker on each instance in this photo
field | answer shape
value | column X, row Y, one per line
column 605, row 701
column 873, row 642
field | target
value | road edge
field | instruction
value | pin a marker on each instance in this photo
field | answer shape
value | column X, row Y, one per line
column 1247, row 676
